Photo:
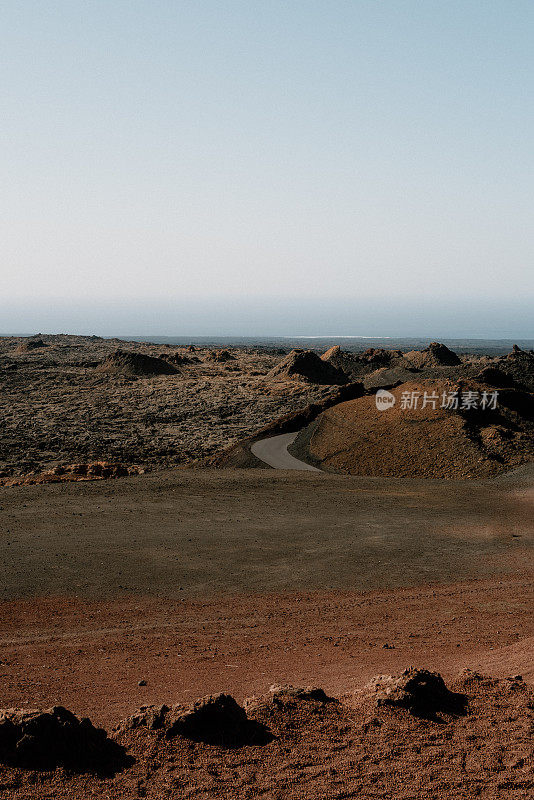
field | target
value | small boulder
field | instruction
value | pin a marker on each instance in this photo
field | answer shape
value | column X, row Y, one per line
column 215, row 719
column 55, row 737
column 419, row 691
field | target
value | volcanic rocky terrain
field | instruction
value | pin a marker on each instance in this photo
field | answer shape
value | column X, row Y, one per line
column 83, row 407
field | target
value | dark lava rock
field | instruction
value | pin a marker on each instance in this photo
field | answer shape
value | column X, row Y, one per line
column 215, row 719
column 519, row 365
column 125, row 362
column 307, row 365
column 420, row 691
column 55, row 737
column 496, row 377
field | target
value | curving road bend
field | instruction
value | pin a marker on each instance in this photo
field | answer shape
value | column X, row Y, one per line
column 273, row 451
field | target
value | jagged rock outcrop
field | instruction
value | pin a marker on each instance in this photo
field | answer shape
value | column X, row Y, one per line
column 219, row 356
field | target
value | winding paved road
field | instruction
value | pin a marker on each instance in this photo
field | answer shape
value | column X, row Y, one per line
column 273, row 451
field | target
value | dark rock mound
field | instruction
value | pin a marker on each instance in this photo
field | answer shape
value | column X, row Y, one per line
column 215, row 719
column 125, row 362
column 288, row 696
column 307, row 365
column 30, row 344
column 421, row 692
column 378, row 357
column 219, row 356
column 519, row 365
column 435, row 355
column 496, row 377
column 55, row 737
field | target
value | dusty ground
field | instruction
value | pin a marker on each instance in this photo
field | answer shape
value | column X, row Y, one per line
column 208, row 581
column 204, row 580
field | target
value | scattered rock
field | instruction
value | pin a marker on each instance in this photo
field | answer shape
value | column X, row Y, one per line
column 95, row 470
column 420, row 691
column 142, row 683
column 124, row 362
column 307, row 365
column 178, row 358
column 55, row 737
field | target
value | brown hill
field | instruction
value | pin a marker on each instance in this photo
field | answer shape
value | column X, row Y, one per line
column 125, row 362
column 308, row 366
column 357, row 438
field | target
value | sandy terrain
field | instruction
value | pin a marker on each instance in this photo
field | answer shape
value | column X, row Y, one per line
column 208, row 581
column 152, row 576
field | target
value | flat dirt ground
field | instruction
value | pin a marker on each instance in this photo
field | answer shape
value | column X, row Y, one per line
column 199, row 581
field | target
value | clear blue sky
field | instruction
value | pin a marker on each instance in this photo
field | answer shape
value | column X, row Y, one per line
column 260, row 166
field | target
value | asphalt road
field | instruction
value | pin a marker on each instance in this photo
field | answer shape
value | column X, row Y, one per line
column 273, row 451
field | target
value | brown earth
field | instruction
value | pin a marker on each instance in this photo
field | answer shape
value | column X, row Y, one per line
column 164, row 587
column 431, row 441
column 194, row 582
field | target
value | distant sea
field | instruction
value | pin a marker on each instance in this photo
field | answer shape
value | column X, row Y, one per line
column 354, row 344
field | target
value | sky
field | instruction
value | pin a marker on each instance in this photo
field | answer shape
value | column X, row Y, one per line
column 259, row 167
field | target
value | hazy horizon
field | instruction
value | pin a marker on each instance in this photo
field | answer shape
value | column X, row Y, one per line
column 273, row 317
column 308, row 168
